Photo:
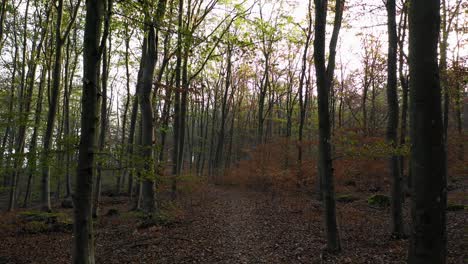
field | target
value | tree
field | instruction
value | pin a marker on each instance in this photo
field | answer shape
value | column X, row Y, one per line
column 106, row 50
column 2, row 19
column 448, row 15
column 324, row 76
column 392, row 121
column 428, row 154
column 83, row 237
column 302, row 97
column 60, row 38
column 149, row 62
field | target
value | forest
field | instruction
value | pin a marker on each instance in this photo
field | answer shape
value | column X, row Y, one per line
column 233, row 131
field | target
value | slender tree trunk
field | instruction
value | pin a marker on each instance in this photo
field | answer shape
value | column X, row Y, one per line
column 131, row 134
column 324, row 76
column 53, row 104
column 184, row 102
column 2, row 19
column 32, row 157
column 392, row 122
column 302, row 102
column 23, row 109
column 127, row 105
column 177, row 102
column 102, row 128
column 138, row 180
column 69, row 150
column 221, row 135
column 458, row 117
column 403, row 78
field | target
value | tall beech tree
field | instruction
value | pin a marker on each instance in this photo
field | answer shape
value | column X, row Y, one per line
column 60, row 38
column 83, row 236
column 392, row 121
column 428, row 242
column 149, row 63
column 324, row 76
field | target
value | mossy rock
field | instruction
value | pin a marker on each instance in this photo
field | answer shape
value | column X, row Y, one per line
column 379, row 200
column 346, row 198
column 456, row 207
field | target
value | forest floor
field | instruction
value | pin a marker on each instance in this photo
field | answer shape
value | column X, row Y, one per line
column 227, row 225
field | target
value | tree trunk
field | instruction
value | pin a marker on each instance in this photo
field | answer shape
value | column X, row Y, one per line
column 177, row 101
column 324, row 76
column 53, row 104
column 32, row 157
column 147, row 122
column 392, row 122
column 127, row 105
column 428, row 242
column 302, row 102
column 218, row 164
column 83, row 237
column 147, row 152
column 102, row 127
column 403, row 78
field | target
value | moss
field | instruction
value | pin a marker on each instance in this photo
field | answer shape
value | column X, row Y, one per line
column 43, row 216
column 40, row 222
column 456, row 207
column 35, row 227
column 346, row 198
column 134, row 214
column 379, row 200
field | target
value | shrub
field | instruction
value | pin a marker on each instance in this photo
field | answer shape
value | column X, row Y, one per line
column 379, row 200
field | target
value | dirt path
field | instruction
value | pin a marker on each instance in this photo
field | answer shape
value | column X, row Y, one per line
column 231, row 226
column 239, row 231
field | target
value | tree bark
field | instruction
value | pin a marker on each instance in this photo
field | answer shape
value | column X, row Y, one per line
column 392, row 122
column 83, row 237
column 53, row 104
column 428, row 242
column 149, row 63
column 302, row 102
column 324, row 76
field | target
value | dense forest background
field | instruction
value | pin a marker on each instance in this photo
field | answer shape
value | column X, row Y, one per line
column 156, row 104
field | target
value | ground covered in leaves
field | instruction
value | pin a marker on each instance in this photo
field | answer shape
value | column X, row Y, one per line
column 221, row 225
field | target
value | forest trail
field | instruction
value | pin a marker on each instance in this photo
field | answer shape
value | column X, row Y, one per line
column 236, row 226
